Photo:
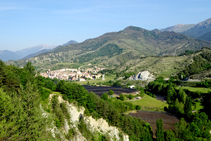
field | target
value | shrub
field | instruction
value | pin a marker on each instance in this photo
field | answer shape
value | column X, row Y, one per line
column 138, row 107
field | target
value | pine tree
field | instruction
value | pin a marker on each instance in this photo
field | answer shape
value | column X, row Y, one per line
column 188, row 107
column 159, row 130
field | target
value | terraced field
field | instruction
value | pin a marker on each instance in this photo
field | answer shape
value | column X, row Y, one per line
column 99, row 90
column 158, row 66
column 151, row 117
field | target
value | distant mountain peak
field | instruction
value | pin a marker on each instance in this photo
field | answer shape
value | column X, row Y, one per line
column 70, row 42
column 199, row 29
column 178, row 28
column 205, row 23
column 133, row 28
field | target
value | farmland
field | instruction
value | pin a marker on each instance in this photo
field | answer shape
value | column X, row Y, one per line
column 151, row 117
column 99, row 90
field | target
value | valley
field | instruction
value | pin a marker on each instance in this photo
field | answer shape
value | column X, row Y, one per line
column 130, row 85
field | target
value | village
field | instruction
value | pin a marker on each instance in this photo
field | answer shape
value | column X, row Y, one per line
column 75, row 74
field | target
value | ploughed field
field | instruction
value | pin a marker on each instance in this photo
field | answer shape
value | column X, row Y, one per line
column 99, row 90
column 151, row 117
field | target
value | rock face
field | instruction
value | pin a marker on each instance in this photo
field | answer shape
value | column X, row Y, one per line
column 94, row 125
column 143, row 75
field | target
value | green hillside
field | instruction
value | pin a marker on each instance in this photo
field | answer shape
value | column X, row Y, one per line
column 199, row 29
column 116, row 48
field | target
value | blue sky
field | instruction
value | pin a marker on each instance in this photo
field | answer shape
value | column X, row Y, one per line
column 25, row 23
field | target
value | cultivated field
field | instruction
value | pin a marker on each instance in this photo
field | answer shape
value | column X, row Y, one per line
column 151, row 117
column 99, row 90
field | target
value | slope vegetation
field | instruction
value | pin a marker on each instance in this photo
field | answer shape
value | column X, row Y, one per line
column 115, row 48
column 199, row 29
column 206, row 36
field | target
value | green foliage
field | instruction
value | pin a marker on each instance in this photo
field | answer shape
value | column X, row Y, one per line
column 84, row 129
column 104, row 96
column 159, row 130
column 58, row 123
column 44, row 93
column 111, row 92
column 130, row 96
column 109, row 50
column 201, row 63
column 138, row 107
column 122, row 97
column 188, row 107
column 169, row 135
column 187, row 52
column 20, row 117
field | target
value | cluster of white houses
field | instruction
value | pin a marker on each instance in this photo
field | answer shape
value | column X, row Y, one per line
column 74, row 74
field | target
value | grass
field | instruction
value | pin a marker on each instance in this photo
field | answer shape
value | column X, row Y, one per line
column 107, row 78
column 149, row 103
column 195, row 89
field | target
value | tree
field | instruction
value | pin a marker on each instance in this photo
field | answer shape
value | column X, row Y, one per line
column 188, row 107
column 169, row 135
column 111, row 92
column 138, row 107
column 29, row 67
column 104, row 96
column 159, row 130
column 130, row 96
column 121, row 97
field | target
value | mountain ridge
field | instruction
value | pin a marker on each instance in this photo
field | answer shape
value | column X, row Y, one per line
column 116, row 48
column 10, row 55
column 178, row 28
column 199, row 29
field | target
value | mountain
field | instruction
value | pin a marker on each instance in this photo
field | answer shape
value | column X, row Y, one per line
column 10, row 55
column 70, row 42
column 6, row 55
column 115, row 48
column 206, row 36
column 36, row 53
column 199, row 29
column 178, row 28
column 47, row 49
column 34, row 49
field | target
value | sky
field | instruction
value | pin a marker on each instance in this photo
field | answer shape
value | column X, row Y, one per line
column 25, row 23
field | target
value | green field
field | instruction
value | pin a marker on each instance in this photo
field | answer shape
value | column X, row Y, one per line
column 195, row 89
column 107, row 78
column 149, row 103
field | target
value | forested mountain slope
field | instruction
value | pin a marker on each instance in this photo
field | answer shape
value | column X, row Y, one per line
column 206, row 36
column 115, row 48
column 200, row 66
column 199, row 29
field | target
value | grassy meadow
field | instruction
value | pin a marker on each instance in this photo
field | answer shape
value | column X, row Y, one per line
column 195, row 89
column 149, row 103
